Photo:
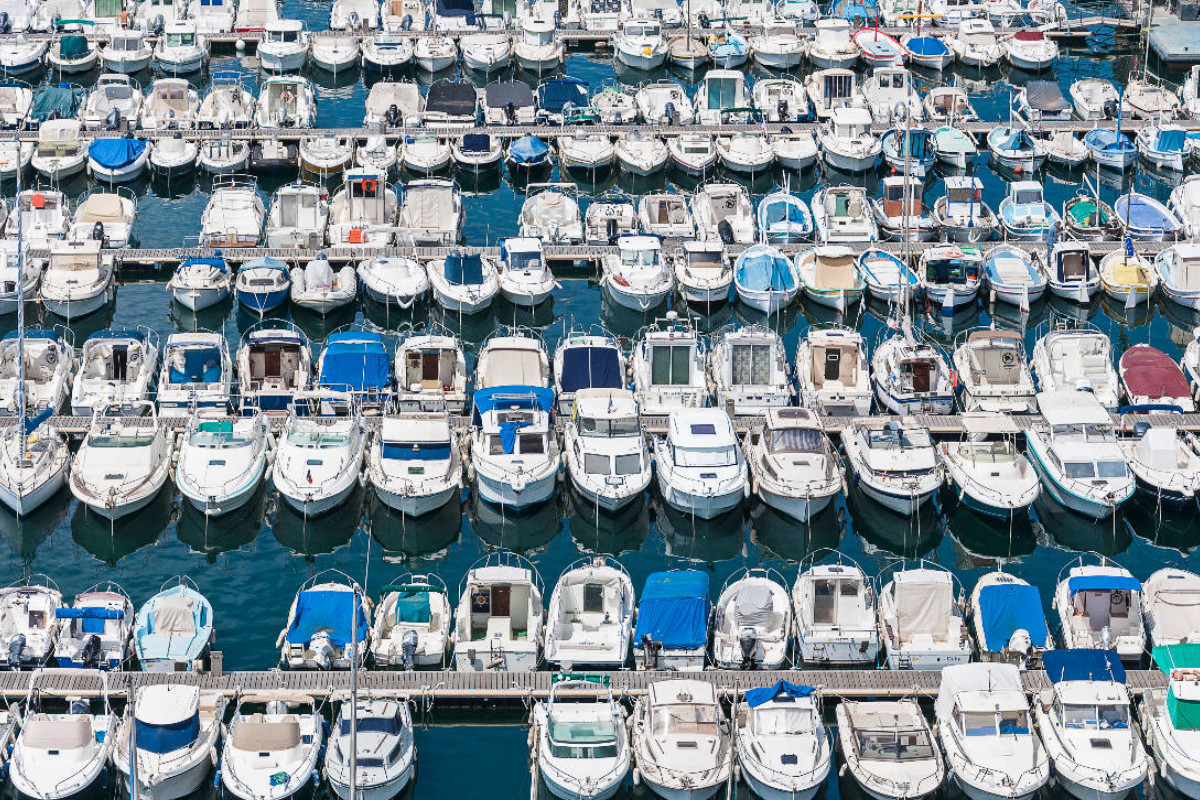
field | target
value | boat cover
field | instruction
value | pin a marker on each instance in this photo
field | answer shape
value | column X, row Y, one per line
column 554, row 94
column 499, row 95
column 325, row 611
column 765, row 270
column 461, row 269
column 1028, row 36
column 926, row 46
column 101, row 207
column 674, row 610
column 1171, row 140
column 528, row 150
column 201, row 364
column 1016, row 140
column 118, row 333
column 1008, row 607
column 412, row 607
column 451, row 98
column 354, row 362
column 924, row 604
column 1143, row 213
column 781, row 690
column 753, row 605
column 1045, row 96
column 591, row 368
column 1083, row 665
column 527, row 397
column 781, row 208
column 455, row 8
column 992, row 678
column 116, row 153
column 89, row 612
column 1103, row 583
column 1183, row 701
column 61, row 100
column 476, row 143
column 1149, row 372
column 168, row 718
column 1104, row 139
column 73, row 46
column 36, row 333
column 208, row 261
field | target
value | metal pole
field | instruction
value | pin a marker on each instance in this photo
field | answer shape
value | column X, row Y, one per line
column 353, row 697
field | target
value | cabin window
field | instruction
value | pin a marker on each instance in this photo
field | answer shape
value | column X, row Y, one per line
column 1092, row 717
column 796, row 440
column 495, row 446
column 532, row 443
column 1027, row 197
column 705, row 457
column 1111, row 469
column 751, row 364
column 682, row 719
column 887, row 745
column 670, row 365
column 783, row 721
column 593, row 598
column 624, row 426
column 629, row 464
column 596, row 464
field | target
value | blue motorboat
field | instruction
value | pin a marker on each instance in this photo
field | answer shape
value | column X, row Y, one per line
column 1110, row 148
column 174, row 629
column 1012, row 276
column 929, row 52
column 728, row 49
column 319, row 633
column 1014, row 149
column 857, row 12
column 919, row 153
column 528, row 153
column 673, row 618
column 263, row 284
column 784, row 218
column 356, row 362
column 1146, row 219
column 1025, row 214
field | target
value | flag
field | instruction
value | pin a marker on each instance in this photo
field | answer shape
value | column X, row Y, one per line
column 309, row 476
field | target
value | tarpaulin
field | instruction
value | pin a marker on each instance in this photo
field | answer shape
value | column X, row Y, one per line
column 1006, row 608
column 783, row 689
column 591, row 368
column 1083, row 665
column 521, row 397
column 168, row 737
column 528, row 150
column 116, row 153
column 354, row 362
column 321, row 610
column 765, row 270
column 674, row 610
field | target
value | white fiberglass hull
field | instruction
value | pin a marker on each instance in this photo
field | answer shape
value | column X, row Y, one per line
column 35, row 497
column 801, row 509
column 503, row 491
column 379, row 791
column 417, row 505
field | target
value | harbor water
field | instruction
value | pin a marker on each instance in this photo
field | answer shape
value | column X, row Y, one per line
column 249, row 564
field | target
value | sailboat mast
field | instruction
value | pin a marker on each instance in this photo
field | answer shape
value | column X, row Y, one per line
column 20, row 319
column 354, row 697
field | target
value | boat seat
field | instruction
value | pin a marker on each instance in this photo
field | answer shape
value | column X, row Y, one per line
column 57, row 733
column 499, row 628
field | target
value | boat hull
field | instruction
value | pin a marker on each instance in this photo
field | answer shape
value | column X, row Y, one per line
column 801, row 509
column 199, row 299
column 502, row 492
column 22, row 504
column 417, row 505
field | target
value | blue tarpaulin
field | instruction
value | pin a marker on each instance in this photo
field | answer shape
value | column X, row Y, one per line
column 508, row 435
column 591, row 368
column 926, row 46
column 463, row 270
column 1083, row 665
column 413, row 607
column 1103, row 583
column 783, row 689
column 116, row 153
column 528, row 150
column 674, row 610
column 765, row 270
column 328, row 611
column 554, row 94
column 1170, row 141
column 355, row 362
column 1008, row 607
column 212, row 261
column 89, row 613
column 486, row 400
column 170, row 737
column 1143, row 213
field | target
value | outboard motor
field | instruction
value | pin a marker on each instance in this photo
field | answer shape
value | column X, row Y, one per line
column 392, row 116
column 671, row 113
column 650, row 651
column 352, row 20
column 5, row 22
column 748, row 641
column 610, row 225
column 658, row 14
column 408, row 648
column 322, row 649
column 1110, row 107
column 277, row 707
column 406, row 22
column 15, row 645
column 158, row 25
column 1019, row 644
column 112, row 120
column 781, row 108
column 98, row 231
column 79, row 707
column 92, row 651
column 1140, row 429
column 702, row 18
column 510, row 112
column 725, row 231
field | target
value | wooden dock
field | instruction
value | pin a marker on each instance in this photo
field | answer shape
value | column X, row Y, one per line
column 483, row 688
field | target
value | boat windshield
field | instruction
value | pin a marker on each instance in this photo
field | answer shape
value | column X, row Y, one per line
column 389, row 726
column 218, row 434
column 796, row 440
column 122, row 439
column 782, row 721
column 640, row 257
column 181, row 39
column 1084, row 433
column 705, row 456
column 1095, row 469
column 525, row 261
column 894, row 745
column 994, row 723
column 683, row 719
column 892, row 437
column 317, row 440
column 603, row 464
column 583, row 738
column 1028, row 197
column 1095, row 717
column 620, row 426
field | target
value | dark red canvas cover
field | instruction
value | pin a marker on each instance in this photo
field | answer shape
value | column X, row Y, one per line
column 1151, row 373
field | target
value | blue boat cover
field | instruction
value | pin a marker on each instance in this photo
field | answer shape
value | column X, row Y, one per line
column 36, row 333
column 1103, row 583
column 455, row 8
column 763, row 270
column 423, row 451
column 476, row 143
column 1104, row 139
column 200, row 365
column 526, row 397
column 212, row 261
column 1083, row 665
column 73, row 46
column 674, row 610
column 926, row 46
column 591, row 368
column 328, row 611
column 91, row 612
column 265, row 262
column 508, row 434
column 1017, row 140
column 782, row 690
column 781, row 208
column 528, row 150
column 119, row 333
column 1005, row 608
column 413, row 607
column 116, row 153
column 169, row 737
column 463, row 270
column 355, row 362
column 1170, row 141
column 1143, row 213
column 554, row 94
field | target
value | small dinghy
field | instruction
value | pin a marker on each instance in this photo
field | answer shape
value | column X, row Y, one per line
column 431, row 374
column 1013, row 277
column 954, row 148
column 197, row 372
column 94, row 632
column 1149, row 377
column 499, row 621
column 842, row 215
column 1094, row 99
column 319, row 289
column 173, row 731
column 1167, row 718
column 641, row 155
column 748, row 369
column 272, row 746
column 1065, row 148
column 327, row 625
column 889, row 749
column 382, row 730
column 263, row 284
column 173, row 629
column 993, row 372
column 672, row 622
column 122, row 464
column 590, row 622
column 581, row 745
column 173, row 157
column 681, row 739
column 1008, row 621
column 65, row 741
column 752, row 624
column 464, row 283
column 986, row 471
column 765, row 279
column 1146, row 219
column 830, row 276
column 695, row 436
column 551, row 213
column 1085, row 722
column 911, row 376
column 394, row 280
column 414, row 463
column 834, row 608
column 48, row 359
column 1015, row 149
column 274, row 363
column 28, row 612
column 893, row 463
column 116, row 369
column 606, row 456
column 921, row 618
column 320, row 453
column 983, row 721
column 222, row 462
column 1025, row 214
column 886, row 276
column 412, row 625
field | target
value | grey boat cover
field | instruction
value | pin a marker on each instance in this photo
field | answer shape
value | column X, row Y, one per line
column 452, row 99
column 753, row 605
column 499, row 95
column 1046, row 97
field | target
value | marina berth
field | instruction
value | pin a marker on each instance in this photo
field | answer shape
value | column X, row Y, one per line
column 1008, row 622
column 412, row 623
column 834, row 608
column 173, row 732
column 272, row 746
column 515, row 457
column 672, row 622
column 500, row 618
column 590, row 621
column 382, row 731
column 784, row 749
column 1100, row 606
column 122, row 464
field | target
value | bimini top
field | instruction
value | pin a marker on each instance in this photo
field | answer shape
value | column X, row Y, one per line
column 554, row 94
column 455, row 8
column 118, row 333
column 780, row 691
column 36, row 333
column 264, row 262
column 499, row 95
column 1083, row 665
column 354, row 362
column 463, row 269
column 323, row 610
column 516, row 397
column 451, row 98
column 1072, row 407
column 1181, row 662
column 591, row 367
column 1005, row 608
column 208, row 261
column 116, row 153
column 674, row 610
column 1103, row 583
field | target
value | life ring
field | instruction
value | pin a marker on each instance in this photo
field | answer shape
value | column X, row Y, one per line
column 1008, row 359
column 1117, row 598
column 369, row 184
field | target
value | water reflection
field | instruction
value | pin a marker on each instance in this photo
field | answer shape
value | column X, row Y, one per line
column 310, row 536
column 112, row 540
column 421, row 537
column 597, row 531
column 213, row 536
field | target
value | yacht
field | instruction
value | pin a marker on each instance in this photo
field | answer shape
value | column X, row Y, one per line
column 386, row 762
column 171, row 104
column 49, row 362
column 994, row 374
column 986, row 471
column 413, row 462
column 122, row 463
column 606, row 454
column 795, row 467
column 235, row 213
column 319, row 457
column 681, row 740
column 272, row 746
column 784, row 749
column 921, row 618
column 834, row 608
column 703, row 275
column 1099, row 605
column 222, row 462
column 889, row 749
column 173, row 630
column 177, row 732
column 699, row 463
column 116, row 368
column 752, row 624
column 284, row 46
column 911, row 376
column 464, row 283
column 748, row 370
column 1076, row 359
column 1008, row 621
column 636, row 276
column 514, row 453
column 581, row 745
column 668, row 367
column 431, row 374
column 327, row 625
column 197, row 372
column 590, row 621
column 893, row 462
column 412, row 625
column 832, row 372
column 1030, row 50
column 499, row 620
column 95, row 632
column 28, row 624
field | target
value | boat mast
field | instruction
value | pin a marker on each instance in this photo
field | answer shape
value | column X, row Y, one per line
column 354, row 696
column 20, row 326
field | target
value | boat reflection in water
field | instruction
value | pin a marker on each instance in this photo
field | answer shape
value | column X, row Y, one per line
column 908, row 537
column 215, row 535
column 695, row 539
column 521, row 532
column 1070, row 531
column 795, row 541
column 312, row 536
column 989, row 537
column 112, row 540
column 429, row 536
column 598, row 531
column 25, row 534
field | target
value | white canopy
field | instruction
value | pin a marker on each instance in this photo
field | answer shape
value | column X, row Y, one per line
column 1001, row 681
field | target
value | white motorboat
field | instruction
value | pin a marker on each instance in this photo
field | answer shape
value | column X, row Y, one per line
column 699, row 464
column 274, row 364
column 200, row 283
column 20, row 55
column 107, row 217
column 794, row 466
column 995, row 376
column 587, row 359
column 1099, row 605
column 984, row 723
column 911, row 376
column 525, row 278
column 1094, row 99
column 499, row 620
column 1076, row 358
column 1008, row 621
column 606, row 453
column 486, row 52
column 414, row 463
column 35, row 371
column 364, row 211
column 393, row 280
column 665, row 101
column 327, row 625
column 412, row 626
column 377, row 153
column 224, row 154
column 962, row 213
column 286, row 101
column 171, row 104
column 590, row 621
column 777, row 45
column 425, row 153
column 795, row 151
column 842, row 215
column 356, row 16
column 1165, row 462
column 1169, row 604
column 831, row 89
column 71, row 54
column 693, row 153
column 783, row 746
column 752, row 624
column 61, row 149
column 536, row 47
column 703, row 275
column 745, row 153
column 173, row 731
column 116, row 369
column 610, row 217
column 197, row 372
column 921, row 618
column 28, row 625
column 639, row 43
column 94, row 632
column 272, row 746
column 284, row 46
column 116, row 98
column 1146, row 97
column 891, row 97
column 889, row 749
column 1030, row 50
column 477, row 152
column 723, row 211
column 666, row 215
column 551, row 213
column 581, row 745
column 431, row 213
column 514, row 469
column 831, row 47
column 672, row 622
column 668, row 367
column 324, row 155
column 586, row 153
column 464, row 283
column 748, row 370
column 335, row 53
column 834, row 608
column 174, row 157
column 681, row 740
column 636, row 276
column 221, row 461
column 431, row 374
column 235, row 213
column 180, row 50
column 893, row 463
column 78, row 279
column 298, row 217
column 833, row 373
column 320, row 453
column 1077, row 455
column 990, row 475
column 385, row 762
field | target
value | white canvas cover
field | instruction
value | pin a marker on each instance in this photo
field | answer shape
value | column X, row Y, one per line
column 257, row 735
column 1176, row 604
column 406, row 97
column 753, row 604
column 430, row 208
column 977, row 678
column 1158, row 449
column 167, row 704
column 173, row 616
column 923, row 603
column 62, row 733
column 101, row 207
column 318, row 275
column 514, row 368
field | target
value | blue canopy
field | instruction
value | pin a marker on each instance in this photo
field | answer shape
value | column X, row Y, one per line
column 90, row 612
column 554, row 94
column 528, row 150
column 1083, row 665
column 674, row 610
column 1104, row 139
column 463, row 270
column 765, row 270
column 36, row 333
column 116, row 153
column 119, row 333
column 1102, row 583
column 200, row 365
column 591, row 368
column 327, row 611
column 1008, row 607
column 476, row 143
column 264, row 262
column 1171, row 140
column 782, row 690
column 212, row 261
column 355, row 362
column 486, row 400
column 411, row 451
column 926, row 46
column 1017, row 140
column 167, row 738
